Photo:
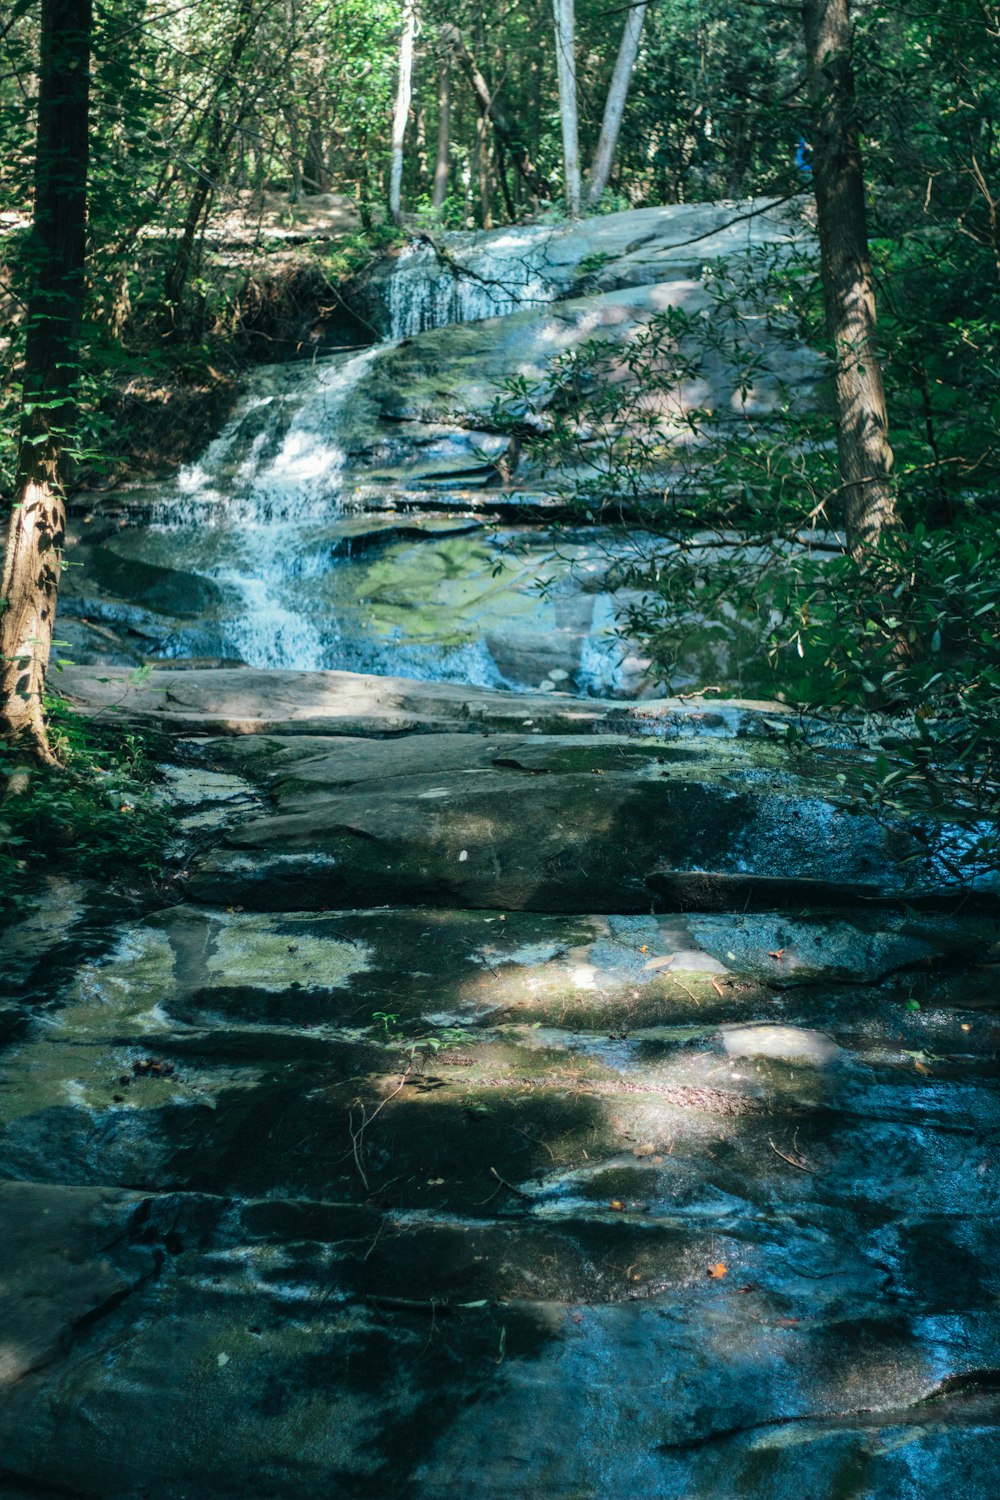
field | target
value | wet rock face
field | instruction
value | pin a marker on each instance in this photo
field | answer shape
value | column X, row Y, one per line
column 380, row 1189
column 365, row 514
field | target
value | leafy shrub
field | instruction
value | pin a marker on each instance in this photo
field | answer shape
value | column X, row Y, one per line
column 96, row 815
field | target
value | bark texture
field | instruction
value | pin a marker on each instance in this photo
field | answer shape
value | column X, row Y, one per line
column 864, row 453
column 566, row 65
column 402, row 111
column 614, row 106
column 442, row 161
column 36, row 532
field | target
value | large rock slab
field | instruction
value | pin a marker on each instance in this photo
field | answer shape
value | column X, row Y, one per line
column 557, row 823
column 466, row 277
column 403, row 1202
column 235, row 700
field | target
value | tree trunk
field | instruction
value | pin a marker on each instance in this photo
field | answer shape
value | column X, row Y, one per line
column 483, row 167
column 402, row 111
column 566, row 64
column 452, row 37
column 220, row 139
column 442, row 162
column 864, row 454
column 614, row 107
column 36, row 533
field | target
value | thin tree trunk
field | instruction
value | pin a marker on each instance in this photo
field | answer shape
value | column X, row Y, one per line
column 220, row 139
column 864, row 454
column 483, row 167
column 452, row 37
column 614, row 107
column 33, row 558
column 566, row 65
column 179, row 269
column 442, row 162
column 508, row 201
column 402, row 111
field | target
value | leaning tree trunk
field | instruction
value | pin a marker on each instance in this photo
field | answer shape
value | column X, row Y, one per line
column 566, row 65
column 864, row 454
column 36, row 533
column 402, row 111
column 614, row 107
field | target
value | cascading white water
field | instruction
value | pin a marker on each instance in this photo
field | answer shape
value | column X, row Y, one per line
column 270, row 480
column 269, row 514
column 279, row 458
column 427, row 290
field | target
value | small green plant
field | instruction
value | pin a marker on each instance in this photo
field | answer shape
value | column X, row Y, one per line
column 94, row 815
column 425, row 1044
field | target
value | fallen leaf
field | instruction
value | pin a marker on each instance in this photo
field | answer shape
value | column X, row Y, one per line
column 617, row 1205
column 646, row 1149
column 786, row 1322
column 920, row 1067
column 644, row 948
column 435, row 1181
column 966, row 1026
column 663, row 961
column 778, row 953
column 719, row 1270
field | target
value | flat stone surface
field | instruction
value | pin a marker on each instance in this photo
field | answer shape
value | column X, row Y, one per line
column 556, row 823
column 386, row 1202
column 239, row 700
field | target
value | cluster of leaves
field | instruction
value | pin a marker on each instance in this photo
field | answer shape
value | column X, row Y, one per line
column 95, row 815
column 729, row 519
column 423, row 1045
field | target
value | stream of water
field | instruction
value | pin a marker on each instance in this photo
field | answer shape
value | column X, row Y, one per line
column 319, row 534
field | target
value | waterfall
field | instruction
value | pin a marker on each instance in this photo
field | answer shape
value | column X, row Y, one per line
column 252, row 513
column 324, row 536
column 490, row 279
column 280, row 457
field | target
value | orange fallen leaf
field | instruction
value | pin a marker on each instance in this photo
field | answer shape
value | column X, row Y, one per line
column 719, row 1270
column 617, row 1205
column 644, row 948
column 778, row 953
column 920, row 1067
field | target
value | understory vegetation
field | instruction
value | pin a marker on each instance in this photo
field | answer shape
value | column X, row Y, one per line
column 733, row 520
column 97, row 814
